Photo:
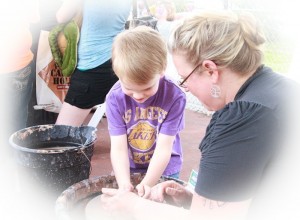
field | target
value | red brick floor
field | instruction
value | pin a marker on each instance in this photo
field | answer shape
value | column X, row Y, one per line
column 195, row 125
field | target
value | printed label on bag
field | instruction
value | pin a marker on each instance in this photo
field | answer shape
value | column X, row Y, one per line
column 55, row 80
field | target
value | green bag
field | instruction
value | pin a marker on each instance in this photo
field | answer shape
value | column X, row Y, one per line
column 63, row 41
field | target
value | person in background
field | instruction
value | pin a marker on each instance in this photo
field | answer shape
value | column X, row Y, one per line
column 93, row 77
column 189, row 5
column 47, row 11
column 15, row 66
column 165, row 12
column 165, row 9
column 141, row 8
column 248, row 165
column 145, row 111
column 16, row 57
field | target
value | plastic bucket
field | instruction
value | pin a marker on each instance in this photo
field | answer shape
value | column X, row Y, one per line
column 54, row 156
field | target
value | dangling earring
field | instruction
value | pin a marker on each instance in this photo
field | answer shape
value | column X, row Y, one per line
column 215, row 91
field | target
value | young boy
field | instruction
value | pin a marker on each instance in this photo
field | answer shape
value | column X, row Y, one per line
column 145, row 111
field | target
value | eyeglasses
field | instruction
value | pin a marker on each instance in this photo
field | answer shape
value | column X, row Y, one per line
column 181, row 83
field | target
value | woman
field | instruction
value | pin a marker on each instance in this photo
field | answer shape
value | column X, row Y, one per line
column 93, row 77
column 219, row 57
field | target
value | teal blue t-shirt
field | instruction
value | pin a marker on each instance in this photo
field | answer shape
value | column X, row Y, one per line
column 102, row 21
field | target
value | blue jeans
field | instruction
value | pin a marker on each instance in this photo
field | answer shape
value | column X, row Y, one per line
column 15, row 94
column 174, row 175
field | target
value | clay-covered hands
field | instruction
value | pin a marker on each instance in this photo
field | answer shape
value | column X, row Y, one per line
column 126, row 187
column 122, row 204
column 143, row 191
column 119, row 203
column 172, row 193
column 124, row 198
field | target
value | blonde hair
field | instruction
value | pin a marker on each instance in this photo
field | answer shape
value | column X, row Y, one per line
column 230, row 40
column 138, row 54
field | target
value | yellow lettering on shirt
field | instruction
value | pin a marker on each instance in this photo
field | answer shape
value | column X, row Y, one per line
column 150, row 113
column 127, row 116
column 142, row 158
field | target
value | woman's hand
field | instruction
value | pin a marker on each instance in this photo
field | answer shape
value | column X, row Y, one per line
column 119, row 203
column 171, row 192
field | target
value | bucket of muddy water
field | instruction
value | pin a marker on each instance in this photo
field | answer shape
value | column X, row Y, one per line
column 53, row 157
column 76, row 202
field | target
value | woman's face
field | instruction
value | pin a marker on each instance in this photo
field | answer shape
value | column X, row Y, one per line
column 199, row 83
column 140, row 92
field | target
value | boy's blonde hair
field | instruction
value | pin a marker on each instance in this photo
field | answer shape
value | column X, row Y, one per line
column 138, row 54
column 230, row 40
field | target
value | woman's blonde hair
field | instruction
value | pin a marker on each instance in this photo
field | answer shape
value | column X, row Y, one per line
column 138, row 54
column 230, row 40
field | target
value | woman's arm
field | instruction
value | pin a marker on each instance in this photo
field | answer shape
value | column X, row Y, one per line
column 120, row 161
column 201, row 208
column 177, row 195
column 68, row 10
column 215, row 210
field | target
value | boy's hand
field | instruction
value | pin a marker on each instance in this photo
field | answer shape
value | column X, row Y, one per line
column 143, row 190
column 126, row 187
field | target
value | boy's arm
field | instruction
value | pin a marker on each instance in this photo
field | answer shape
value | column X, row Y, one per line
column 164, row 143
column 159, row 160
column 120, row 161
